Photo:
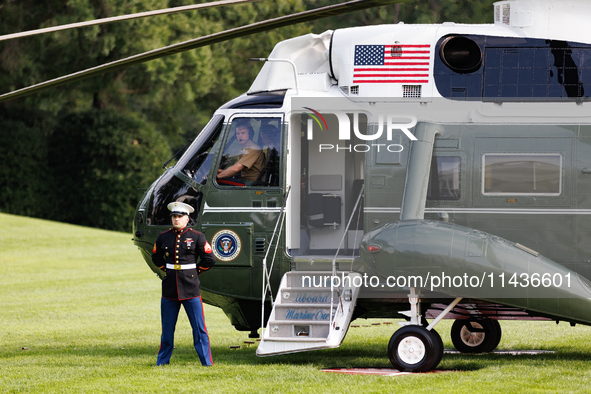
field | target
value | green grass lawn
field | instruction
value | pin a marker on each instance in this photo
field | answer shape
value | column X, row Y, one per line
column 80, row 313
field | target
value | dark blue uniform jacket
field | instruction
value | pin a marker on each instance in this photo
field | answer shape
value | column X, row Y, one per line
column 179, row 248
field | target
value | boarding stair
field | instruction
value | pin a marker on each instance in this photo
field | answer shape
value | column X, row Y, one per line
column 308, row 313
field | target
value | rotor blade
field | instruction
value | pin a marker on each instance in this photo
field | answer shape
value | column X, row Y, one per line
column 122, row 18
column 237, row 32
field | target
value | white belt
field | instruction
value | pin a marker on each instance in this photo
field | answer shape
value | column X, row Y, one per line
column 180, row 266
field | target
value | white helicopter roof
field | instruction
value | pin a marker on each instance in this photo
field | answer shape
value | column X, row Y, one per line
column 346, row 57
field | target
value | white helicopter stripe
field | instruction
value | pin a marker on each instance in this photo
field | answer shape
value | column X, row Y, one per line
column 207, row 209
column 507, row 211
column 516, row 211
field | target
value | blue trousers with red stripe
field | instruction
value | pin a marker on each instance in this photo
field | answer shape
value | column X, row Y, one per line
column 170, row 311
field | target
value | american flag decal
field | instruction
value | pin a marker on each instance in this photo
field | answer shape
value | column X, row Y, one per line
column 391, row 63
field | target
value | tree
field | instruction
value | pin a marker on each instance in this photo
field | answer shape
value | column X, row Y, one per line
column 99, row 160
column 23, row 161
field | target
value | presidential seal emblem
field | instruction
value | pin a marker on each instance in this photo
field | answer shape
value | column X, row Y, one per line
column 226, row 245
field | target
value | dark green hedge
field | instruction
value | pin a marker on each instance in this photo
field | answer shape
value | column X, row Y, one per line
column 23, row 161
column 82, row 168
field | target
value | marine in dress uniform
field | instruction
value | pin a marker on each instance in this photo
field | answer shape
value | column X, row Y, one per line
column 184, row 253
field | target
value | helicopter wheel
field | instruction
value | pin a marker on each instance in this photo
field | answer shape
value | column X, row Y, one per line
column 440, row 341
column 415, row 349
column 476, row 336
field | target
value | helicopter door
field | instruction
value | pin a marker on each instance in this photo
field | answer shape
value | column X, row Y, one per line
column 242, row 204
column 246, row 197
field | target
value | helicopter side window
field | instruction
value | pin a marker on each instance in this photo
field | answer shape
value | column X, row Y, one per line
column 521, row 174
column 252, row 154
column 444, row 179
column 197, row 161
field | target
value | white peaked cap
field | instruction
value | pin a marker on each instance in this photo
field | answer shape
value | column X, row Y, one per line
column 180, row 208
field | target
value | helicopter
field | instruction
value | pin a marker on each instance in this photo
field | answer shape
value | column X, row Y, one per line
column 408, row 171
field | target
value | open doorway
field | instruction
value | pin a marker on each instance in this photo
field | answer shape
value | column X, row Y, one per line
column 327, row 177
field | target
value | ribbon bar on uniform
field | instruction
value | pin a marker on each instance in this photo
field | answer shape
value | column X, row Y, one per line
column 180, row 266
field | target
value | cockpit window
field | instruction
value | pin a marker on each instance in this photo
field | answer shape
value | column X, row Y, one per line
column 168, row 189
column 196, row 162
column 252, row 153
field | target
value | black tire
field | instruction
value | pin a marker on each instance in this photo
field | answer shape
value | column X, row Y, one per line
column 440, row 341
column 415, row 349
column 476, row 336
column 499, row 334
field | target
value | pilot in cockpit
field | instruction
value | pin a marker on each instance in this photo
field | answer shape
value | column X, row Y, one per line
column 251, row 159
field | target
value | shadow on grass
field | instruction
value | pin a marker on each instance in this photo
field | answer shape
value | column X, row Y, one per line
column 359, row 356
column 345, row 357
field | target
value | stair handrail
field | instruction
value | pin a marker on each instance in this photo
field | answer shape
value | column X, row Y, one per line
column 267, row 275
column 334, row 260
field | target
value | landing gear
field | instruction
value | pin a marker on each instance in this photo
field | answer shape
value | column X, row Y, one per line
column 415, row 349
column 476, row 336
